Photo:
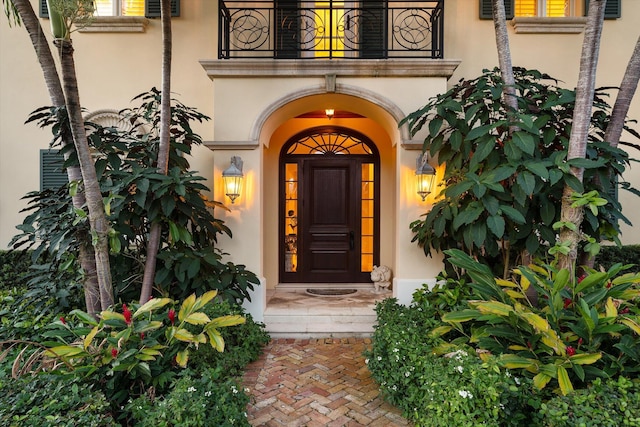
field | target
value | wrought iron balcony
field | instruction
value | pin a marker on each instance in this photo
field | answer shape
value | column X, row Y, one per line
column 330, row 29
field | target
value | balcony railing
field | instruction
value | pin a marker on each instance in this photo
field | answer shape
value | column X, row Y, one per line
column 330, row 29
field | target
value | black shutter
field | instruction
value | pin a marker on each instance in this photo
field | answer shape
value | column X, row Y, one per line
column 52, row 174
column 372, row 29
column 612, row 10
column 44, row 12
column 152, row 8
column 287, row 29
column 487, row 13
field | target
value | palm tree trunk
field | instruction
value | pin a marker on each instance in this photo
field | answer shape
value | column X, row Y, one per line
column 628, row 88
column 580, row 128
column 45, row 58
column 97, row 218
column 164, row 146
column 504, row 57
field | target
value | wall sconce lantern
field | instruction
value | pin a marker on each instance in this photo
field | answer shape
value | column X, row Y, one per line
column 232, row 178
column 425, row 176
column 329, row 112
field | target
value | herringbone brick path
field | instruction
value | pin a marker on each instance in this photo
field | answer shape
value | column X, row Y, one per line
column 316, row 382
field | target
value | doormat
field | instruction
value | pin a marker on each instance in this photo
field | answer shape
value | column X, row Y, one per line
column 331, row 292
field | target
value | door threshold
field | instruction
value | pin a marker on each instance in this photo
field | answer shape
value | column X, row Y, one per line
column 303, row 286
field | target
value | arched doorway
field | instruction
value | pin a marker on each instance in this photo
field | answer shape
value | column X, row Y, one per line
column 329, row 207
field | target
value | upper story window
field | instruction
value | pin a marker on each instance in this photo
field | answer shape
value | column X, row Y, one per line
column 120, row 7
column 543, row 8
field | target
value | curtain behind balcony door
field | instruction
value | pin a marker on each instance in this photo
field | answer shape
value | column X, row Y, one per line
column 373, row 29
column 287, row 29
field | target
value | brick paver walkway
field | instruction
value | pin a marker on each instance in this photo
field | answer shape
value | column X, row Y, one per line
column 316, row 382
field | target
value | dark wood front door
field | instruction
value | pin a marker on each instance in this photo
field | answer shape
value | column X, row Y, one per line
column 331, row 221
column 329, row 207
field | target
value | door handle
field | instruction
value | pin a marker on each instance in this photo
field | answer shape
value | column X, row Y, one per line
column 352, row 240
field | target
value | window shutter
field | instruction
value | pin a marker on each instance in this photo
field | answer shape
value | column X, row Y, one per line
column 486, row 12
column 44, row 12
column 287, row 29
column 372, row 30
column 152, row 8
column 52, row 174
column 612, row 10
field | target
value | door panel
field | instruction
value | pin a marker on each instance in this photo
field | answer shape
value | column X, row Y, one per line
column 329, row 251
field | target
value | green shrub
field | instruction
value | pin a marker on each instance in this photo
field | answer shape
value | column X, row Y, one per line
column 207, row 400
column 579, row 329
column 608, row 403
column 610, row 255
column 49, row 400
column 431, row 390
column 243, row 343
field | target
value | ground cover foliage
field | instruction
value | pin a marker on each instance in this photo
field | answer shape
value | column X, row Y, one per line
column 476, row 351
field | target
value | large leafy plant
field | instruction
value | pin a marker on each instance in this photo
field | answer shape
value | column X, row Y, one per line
column 139, row 347
column 135, row 196
column 576, row 331
column 502, row 188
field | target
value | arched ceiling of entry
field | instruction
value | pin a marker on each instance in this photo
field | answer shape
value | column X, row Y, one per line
column 377, row 112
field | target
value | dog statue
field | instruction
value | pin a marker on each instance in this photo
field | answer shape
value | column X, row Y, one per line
column 381, row 278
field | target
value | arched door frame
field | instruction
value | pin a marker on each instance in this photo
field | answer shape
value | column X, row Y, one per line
column 319, row 152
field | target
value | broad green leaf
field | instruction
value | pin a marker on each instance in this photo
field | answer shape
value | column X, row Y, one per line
column 506, row 283
column 496, row 224
column 439, row 331
column 460, row 316
column 198, row 318
column 547, row 212
column 90, row 336
column 224, row 321
column 492, row 307
column 111, row 315
column 479, row 131
column 187, row 307
column 563, row 380
column 216, row 339
column 610, row 307
column 631, row 322
column 183, row 335
column 145, row 326
column 513, row 213
column 174, row 232
column 150, row 351
column 85, row 317
column 512, row 361
column 152, row 304
column 541, row 380
column 585, row 359
column 561, row 280
column 538, row 168
column 524, row 141
column 539, row 323
column 590, row 280
column 182, row 358
column 66, row 351
column 434, row 126
column 204, row 299
column 527, row 182
column 145, row 357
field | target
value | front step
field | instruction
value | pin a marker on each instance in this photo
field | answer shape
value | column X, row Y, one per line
column 298, row 315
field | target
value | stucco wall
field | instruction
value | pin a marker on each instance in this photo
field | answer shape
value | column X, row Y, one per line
column 114, row 67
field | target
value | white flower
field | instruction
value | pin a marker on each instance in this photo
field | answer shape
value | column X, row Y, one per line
column 517, row 380
column 366, row 361
column 191, row 389
column 207, row 393
column 460, row 369
column 234, row 389
column 406, row 374
column 465, row 394
column 379, row 358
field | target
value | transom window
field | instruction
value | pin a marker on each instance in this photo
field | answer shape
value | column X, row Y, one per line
column 543, row 8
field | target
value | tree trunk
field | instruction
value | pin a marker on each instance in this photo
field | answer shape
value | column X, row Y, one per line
column 164, row 147
column 97, row 218
column 504, row 58
column 628, row 88
column 45, row 58
column 580, row 128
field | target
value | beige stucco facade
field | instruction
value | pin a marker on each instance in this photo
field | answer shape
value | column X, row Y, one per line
column 254, row 107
